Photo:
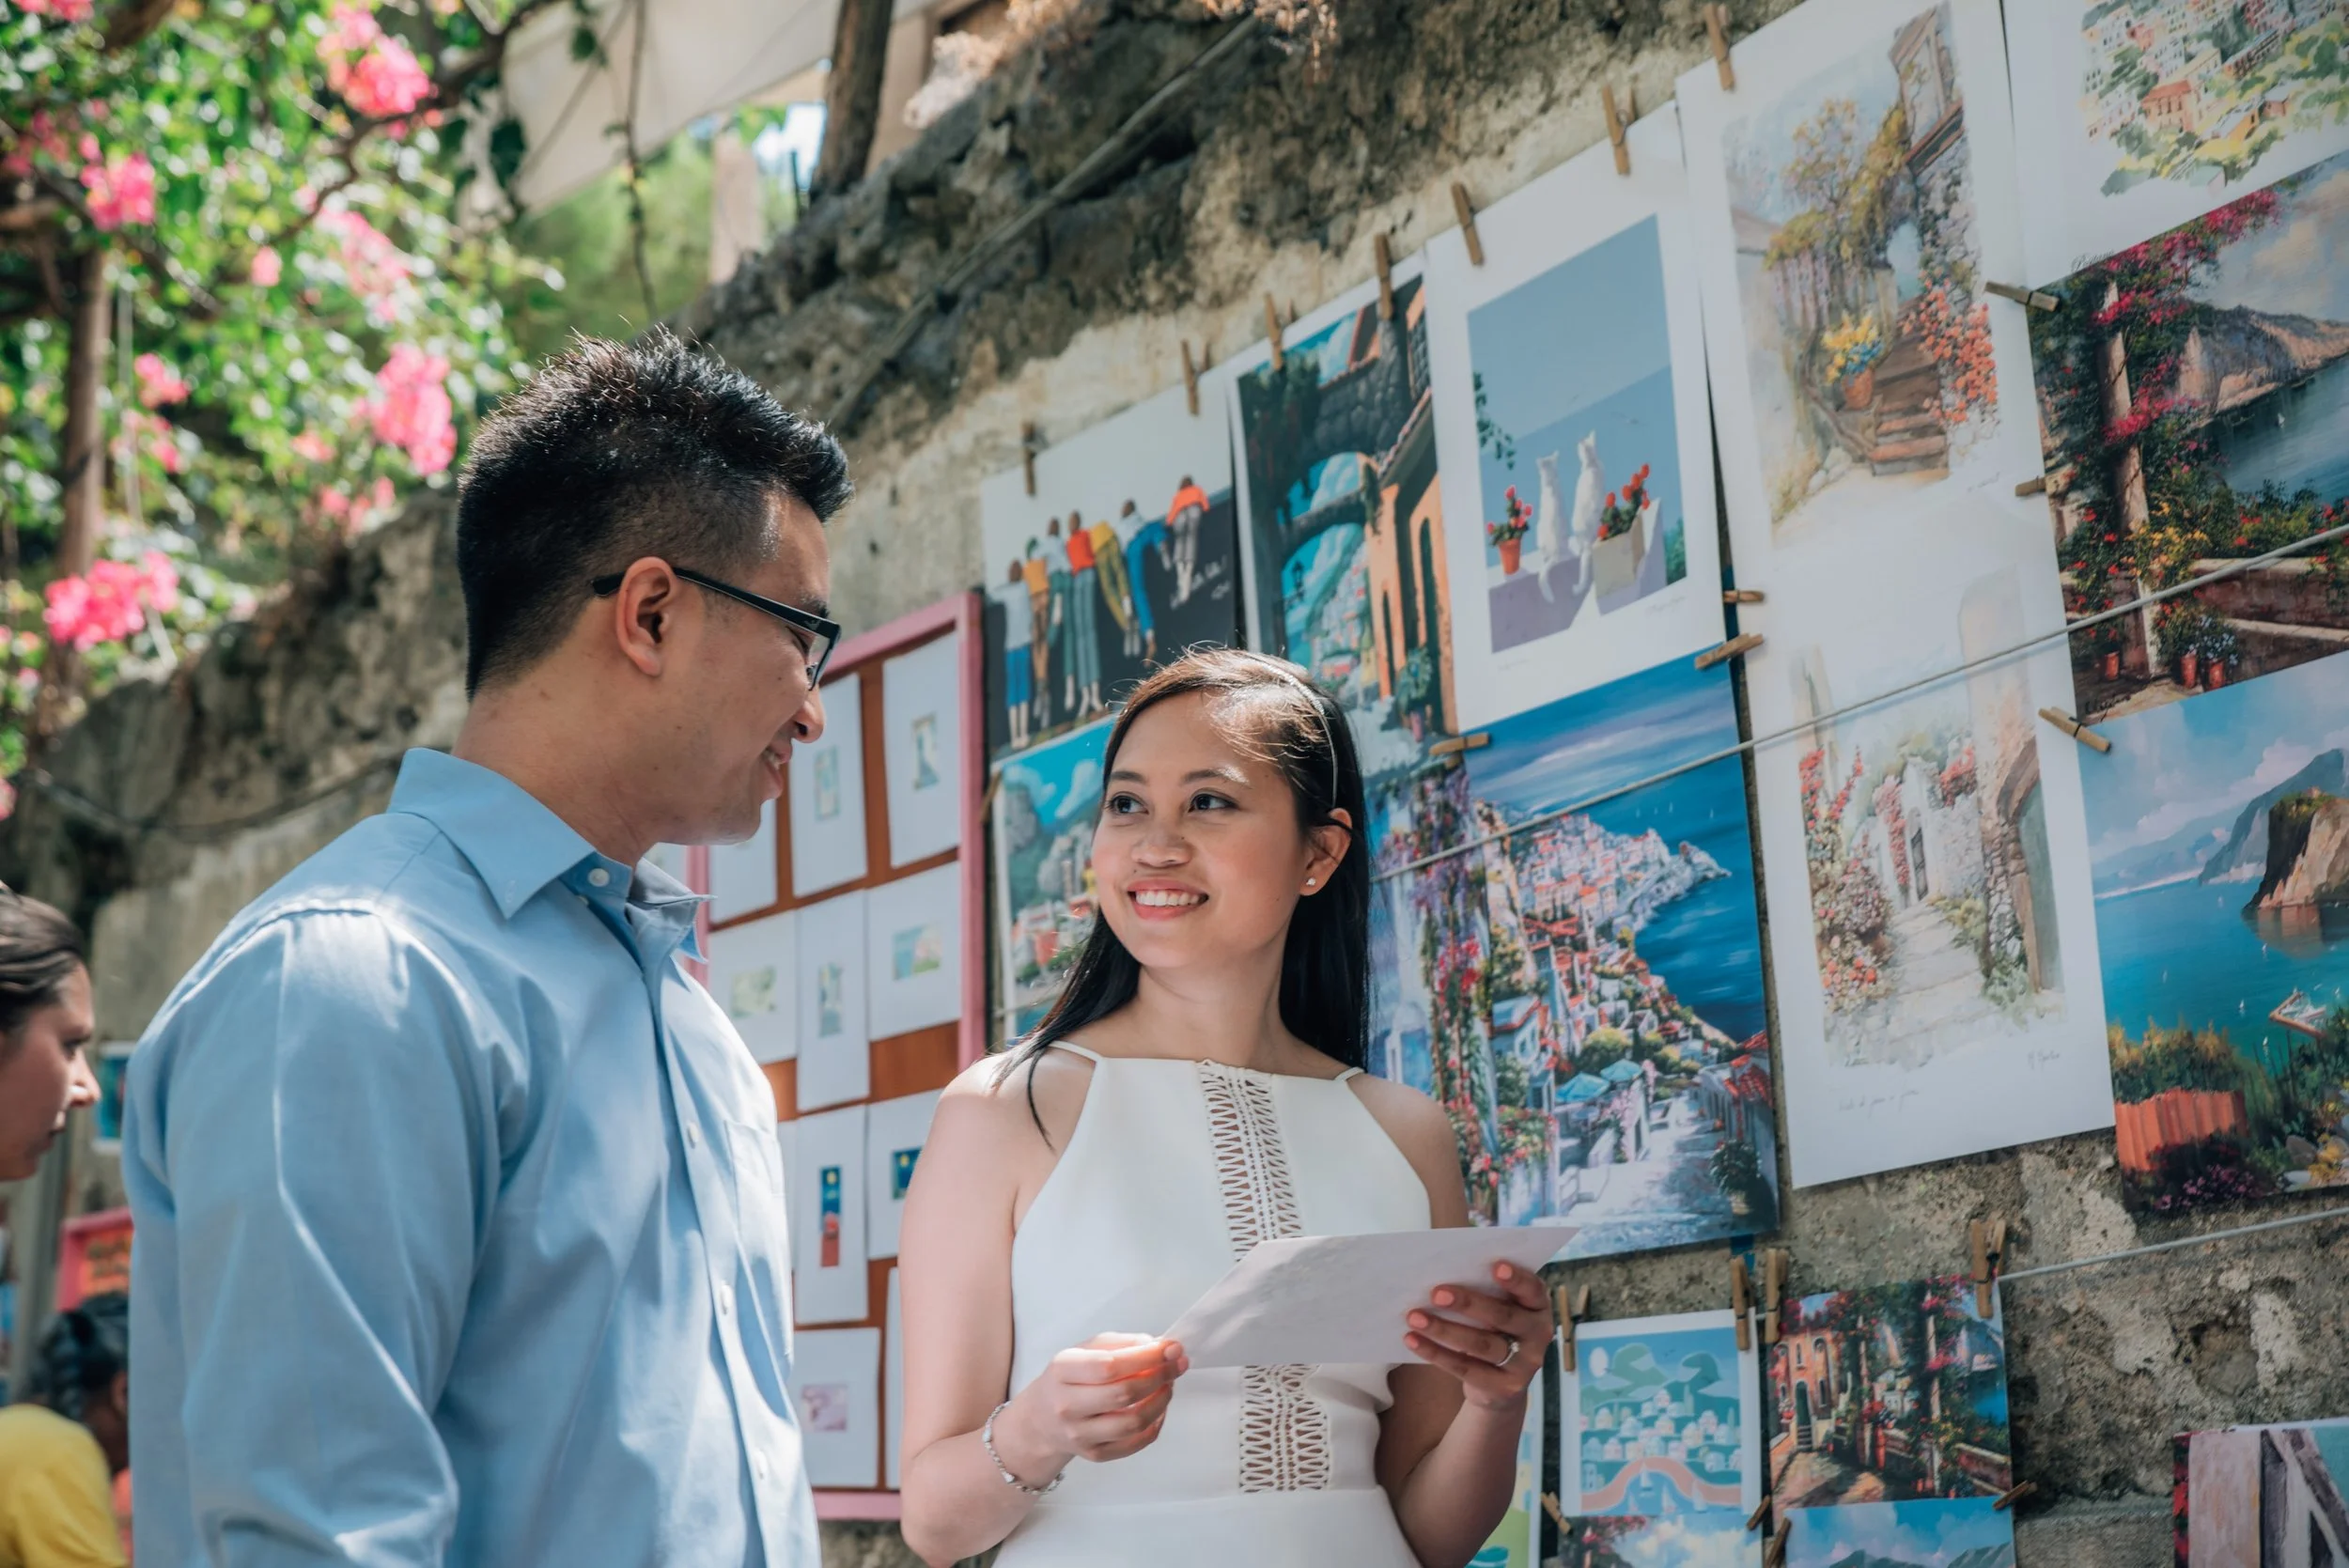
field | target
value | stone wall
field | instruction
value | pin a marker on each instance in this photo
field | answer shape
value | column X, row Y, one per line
column 1273, row 175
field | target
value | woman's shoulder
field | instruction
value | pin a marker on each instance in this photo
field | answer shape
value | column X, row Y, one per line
column 1003, row 1097
column 1423, row 1131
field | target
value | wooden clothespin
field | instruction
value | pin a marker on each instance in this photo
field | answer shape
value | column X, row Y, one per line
column 1776, row 1553
column 1743, row 643
column 2033, row 298
column 1717, row 26
column 2037, row 485
column 1741, row 1301
column 1987, row 1239
column 1467, row 214
column 1741, row 596
column 2014, row 1494
column 1615, row 127
column 1454, row 745
column 2074, row 728
column 1385, row 258
column 1272, row 329
column 1191, row 380
column 1027, row 454
column 1557, row 1514
column 1774, row 1292
column 1570, row 1311
column 1761, row 1511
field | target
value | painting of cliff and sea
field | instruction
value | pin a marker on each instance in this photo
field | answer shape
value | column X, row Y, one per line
column 1571, row 967
column 2219, row 832
column 2192, row 391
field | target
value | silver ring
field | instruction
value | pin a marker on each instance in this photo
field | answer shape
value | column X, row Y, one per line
column 1513, row 1348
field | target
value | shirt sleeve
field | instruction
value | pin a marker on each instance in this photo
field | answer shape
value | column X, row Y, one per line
column 327, row 1138
column 61, row 1513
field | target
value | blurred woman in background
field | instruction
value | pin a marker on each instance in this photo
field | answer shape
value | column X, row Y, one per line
column 61, row 1447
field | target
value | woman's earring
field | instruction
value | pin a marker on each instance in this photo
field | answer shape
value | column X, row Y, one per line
column 1310, row 880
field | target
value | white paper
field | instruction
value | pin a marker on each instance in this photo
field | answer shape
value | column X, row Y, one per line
column 1567, row 363
column 2085, row 193
column 913, row 951
column 828, row 1217
column 921, row 708
column 753, row 975
column 893, row 1386
column 894, row 1132
column 836, row 1045
column 836, row 1383
column 1716, row 1416
column 742, row 876
column 826, row 783
column 1341, row 1300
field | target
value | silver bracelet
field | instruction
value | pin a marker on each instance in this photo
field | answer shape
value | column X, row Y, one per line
column 986, row 1439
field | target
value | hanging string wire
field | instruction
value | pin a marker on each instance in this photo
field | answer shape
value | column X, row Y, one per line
column 2207, row 1237
column 2232, row 568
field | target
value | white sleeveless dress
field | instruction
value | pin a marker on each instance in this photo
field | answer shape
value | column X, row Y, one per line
column 1175, row 1168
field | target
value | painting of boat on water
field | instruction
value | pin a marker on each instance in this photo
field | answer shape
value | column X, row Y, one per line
column 2218, row 829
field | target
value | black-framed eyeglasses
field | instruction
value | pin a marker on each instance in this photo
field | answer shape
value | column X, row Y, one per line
column 820, row 635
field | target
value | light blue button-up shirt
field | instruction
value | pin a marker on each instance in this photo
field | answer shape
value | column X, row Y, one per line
column 459, row 1219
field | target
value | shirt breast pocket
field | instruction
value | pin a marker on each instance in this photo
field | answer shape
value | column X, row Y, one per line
column 761, row 1214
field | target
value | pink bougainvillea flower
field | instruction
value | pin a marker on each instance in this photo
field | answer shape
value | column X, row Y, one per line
column 121, row 190
column 60, row 10
column 411, row 409
column 111, row 601
column 374, row 267
column 375, row 73
column 267, row 267
column 159, row 384
column 313, row 446
column 166, row 453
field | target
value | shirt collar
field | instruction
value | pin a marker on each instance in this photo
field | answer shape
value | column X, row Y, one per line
column 516, row 844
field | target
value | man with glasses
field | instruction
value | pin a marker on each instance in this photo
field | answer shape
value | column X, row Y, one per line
column 459, row 1207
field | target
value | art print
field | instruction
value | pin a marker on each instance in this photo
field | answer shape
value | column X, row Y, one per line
column 753, row 972
column 921, row 693
column 2218, row 831
column 1578, row 981
column 834, row 1015
column 111, row 1066
column 913, row 941
column 1571, row 416
column 827, row 1217
column 2263, row 1496
column 1126, row 555
column 2140, row 115
column 743, row 878
column 825, row 782
column 1661, row 1423
column 1853, row 199
column 2196, row 391
column 1889, row 1394
column 830, row 1000
column 1968, row 1533
column 917, row 950
column 828, row 1195
column 1349, row 567
column 1673, row 1540
column 835, row 1382
column 824, row 1407
column 1046, row 803
column 894, row 1133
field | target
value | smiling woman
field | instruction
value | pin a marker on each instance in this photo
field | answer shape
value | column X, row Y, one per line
column 1075, row 1197
column 45, row 1023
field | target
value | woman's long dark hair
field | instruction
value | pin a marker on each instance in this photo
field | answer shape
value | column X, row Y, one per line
column 1273, row 709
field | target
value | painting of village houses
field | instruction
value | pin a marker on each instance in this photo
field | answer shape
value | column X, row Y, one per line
column 1579, row 447
column 1889, row 1393
column 1046, row 801
column 1124, row 553
column 2198, row 91
column 1345, row 521
column 1659, row 1419
column 2219, row 834
column 1575, row 970
column 2194, row 390
column 1868, row 349
column 1933, row 903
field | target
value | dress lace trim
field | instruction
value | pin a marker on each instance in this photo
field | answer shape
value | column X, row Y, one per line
column 1283, row 1432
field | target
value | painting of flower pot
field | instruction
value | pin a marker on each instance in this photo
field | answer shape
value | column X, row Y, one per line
column 1924, row 833
column 2194, row 391
column 2219, row 829
column 1868, row 349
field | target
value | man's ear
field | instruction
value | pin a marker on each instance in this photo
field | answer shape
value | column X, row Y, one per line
column 645, row 613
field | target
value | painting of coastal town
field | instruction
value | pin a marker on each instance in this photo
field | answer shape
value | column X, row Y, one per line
column 2262, row 1496
column 2219, row 829
column 1046, row 802
column 1673, row 1541
column 2196, row 395
column 1889, row 1394
column 1970, row 1533
column 1123, row 554
column 1575, row 973
column 1344, row 519
column 2143, row 114
column 1660, row 1422
column 1868, row 370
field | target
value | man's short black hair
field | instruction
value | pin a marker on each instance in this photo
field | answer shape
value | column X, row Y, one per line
column 613, row 451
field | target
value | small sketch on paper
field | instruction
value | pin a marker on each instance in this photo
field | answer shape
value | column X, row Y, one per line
column 828, row 1182
column 927, row 774
column 918, row 949
column 827, row 785
column 824, row 1407
column 753, row 993
column 901, row 1170
column 831, row 993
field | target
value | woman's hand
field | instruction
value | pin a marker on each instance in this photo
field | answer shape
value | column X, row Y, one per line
column 1492, row 1341
column 1103, row 1399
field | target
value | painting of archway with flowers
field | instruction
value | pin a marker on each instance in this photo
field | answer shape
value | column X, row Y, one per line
column 2193, row 394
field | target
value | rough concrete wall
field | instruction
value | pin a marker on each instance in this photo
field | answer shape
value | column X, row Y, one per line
column 1266, row 180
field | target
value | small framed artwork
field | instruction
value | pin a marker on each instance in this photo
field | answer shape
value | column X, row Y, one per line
column 894, row 1132
column 828, row 1248
column 834, row 1047
column 112, row 1065
column 922, row 750
column 835, row 1379
column 913, row 951
column 826, row 783
column 755, row 975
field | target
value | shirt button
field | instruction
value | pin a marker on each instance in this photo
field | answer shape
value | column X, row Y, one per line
column 758, row 1465
column 726, row 1301
column 693, row 1136
column 600, row 878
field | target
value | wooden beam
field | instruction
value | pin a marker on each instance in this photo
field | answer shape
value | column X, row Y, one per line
column 852, row 94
